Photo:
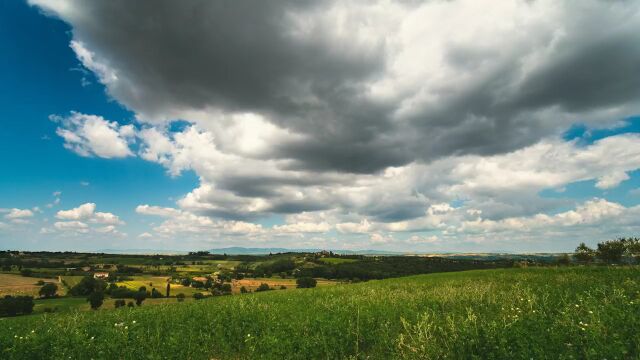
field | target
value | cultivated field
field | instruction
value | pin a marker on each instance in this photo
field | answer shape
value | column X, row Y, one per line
column 538, row 313
column 275, row 283
column 20, row 285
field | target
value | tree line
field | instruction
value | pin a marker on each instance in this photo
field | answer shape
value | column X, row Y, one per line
column 618, row 251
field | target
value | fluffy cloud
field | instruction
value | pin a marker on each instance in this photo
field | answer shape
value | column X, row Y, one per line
column 91, row 135
column 79, row 220
column 18, row 214
column 83, row 211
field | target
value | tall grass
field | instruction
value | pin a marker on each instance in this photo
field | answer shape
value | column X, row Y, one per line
column 564, row 313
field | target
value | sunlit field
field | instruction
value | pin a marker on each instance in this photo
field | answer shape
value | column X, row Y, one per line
column 539, row 313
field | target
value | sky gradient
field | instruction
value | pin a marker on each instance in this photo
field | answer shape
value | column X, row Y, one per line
column 408, row 126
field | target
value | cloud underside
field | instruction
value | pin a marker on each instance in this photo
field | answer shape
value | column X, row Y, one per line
column 361, row 115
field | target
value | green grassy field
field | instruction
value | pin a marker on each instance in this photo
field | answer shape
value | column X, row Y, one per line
column 539, row 313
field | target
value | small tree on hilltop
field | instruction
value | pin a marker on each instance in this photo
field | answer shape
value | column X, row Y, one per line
column 96, row 299
column 584, row 254
column 48, row 290
column 306, row 282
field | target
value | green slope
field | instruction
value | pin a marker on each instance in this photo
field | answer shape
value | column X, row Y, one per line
column 579, row 313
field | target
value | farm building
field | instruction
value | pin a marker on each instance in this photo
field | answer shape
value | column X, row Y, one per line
column 101, row 275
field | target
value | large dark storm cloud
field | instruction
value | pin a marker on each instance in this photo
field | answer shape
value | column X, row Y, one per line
column 307, row 68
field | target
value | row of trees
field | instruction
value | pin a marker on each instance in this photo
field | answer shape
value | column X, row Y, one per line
column 622, row 250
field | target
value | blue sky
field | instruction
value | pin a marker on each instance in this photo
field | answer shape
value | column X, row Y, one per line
column 126, row 135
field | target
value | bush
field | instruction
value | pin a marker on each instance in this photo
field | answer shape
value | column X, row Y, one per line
column 155, row 293
column 198, row 296
column 180, row 297
column 130, row 304
column 225, row 289
column 26, row 272
column 306, row 282
column 96, row 299
column 263, row 287
column 48, row 290
column 16, row 305
column 119, row 303
column 282, row 287
column 243, row 290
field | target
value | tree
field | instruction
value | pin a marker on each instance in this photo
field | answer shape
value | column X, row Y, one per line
column 180, row 297
column 48, row 290
column 633, row 248
column 140, row 296
column 611, row 251
column 306, row 282
column 96, row 299
column 155, row 293
column 168, row 289
column 16, row 305
column 584, row 254
column 88, row 285
column 225, row 289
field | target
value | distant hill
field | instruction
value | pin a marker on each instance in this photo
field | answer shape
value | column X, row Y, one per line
column 236, row 250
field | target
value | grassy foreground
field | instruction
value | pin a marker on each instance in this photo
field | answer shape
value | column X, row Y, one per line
column 540, row 313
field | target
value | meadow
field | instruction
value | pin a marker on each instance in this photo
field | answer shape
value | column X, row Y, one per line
column 578, row 312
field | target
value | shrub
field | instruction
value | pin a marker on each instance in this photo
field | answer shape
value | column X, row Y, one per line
column 96, row 299
column 130, row 304
column 225, row 289
column 155, row 293
column 16, row 305
column 282, row 287
column 198, row 296
column 26, row 272
column 48, row 290
column 119, row 303
column 306, row 282
column 263, row 287
column 243, row 290
column 180, row 297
